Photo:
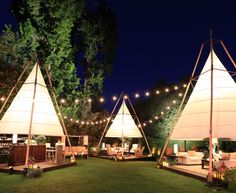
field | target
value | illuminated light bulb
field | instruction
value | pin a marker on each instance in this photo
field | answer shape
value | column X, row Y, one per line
column 157, row 92
column 168, row 108
column 82, row 122
column 71, row 119
column 101, row 100
column 136, row 95
column 96, row 122
column 63, row 100
column 144, row 124
column 184, row 85
column 167, row 90
column 77, row 121
column 139, row 126
column 76, row 100
column 176, row 87
column 114, row 98
column 104, row 120
column 87, row 123
column 65, row 117
column 156, row 117
column 174, row 101
column 162, row 113
column 89, row 100
column 125, row 97
column 150, row 121
column 100, row 121
column 180, row 94
column 92, row 123
column 2, row 98
column 147, row 94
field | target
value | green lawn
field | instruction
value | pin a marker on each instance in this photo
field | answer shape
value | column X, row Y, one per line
column 99, row 176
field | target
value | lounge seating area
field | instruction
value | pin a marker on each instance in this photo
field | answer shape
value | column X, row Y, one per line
column 229, row 160
column 139, row 152
column 189, row 157
column 77, row 150
column 135, row 150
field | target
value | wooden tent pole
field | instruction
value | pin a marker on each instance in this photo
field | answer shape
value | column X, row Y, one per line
column 140, row 126
column 23, row 72
column 123, row 113
column 227, row 52
column 109, row 120
column 209, row 178
column 180, row 107
column 59, row 112
column 31, row 118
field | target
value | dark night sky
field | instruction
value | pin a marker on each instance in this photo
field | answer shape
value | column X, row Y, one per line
column 160, row 39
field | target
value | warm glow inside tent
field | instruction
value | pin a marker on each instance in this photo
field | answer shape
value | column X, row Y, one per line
column 123, row 124
column 17, row 117
column 194, row 121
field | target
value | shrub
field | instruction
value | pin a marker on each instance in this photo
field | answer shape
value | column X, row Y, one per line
column 34, row 172
column 230, row 178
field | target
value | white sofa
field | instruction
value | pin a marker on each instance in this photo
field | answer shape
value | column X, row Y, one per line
column 228, row 159
column 189, row 157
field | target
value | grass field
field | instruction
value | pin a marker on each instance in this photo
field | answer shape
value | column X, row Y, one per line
column 105, row 176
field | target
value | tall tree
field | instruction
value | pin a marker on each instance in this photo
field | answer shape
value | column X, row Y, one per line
column 95, row 36
column 57, row 32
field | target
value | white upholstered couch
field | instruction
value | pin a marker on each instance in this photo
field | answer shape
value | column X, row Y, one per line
column 189, row 157
column 229, row 160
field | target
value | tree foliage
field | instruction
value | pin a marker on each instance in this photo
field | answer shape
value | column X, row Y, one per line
column 146, row 110
column 58, row 34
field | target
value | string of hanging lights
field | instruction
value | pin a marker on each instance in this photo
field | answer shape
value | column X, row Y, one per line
column 153, row 118
column 114, row 98
column 135, row 95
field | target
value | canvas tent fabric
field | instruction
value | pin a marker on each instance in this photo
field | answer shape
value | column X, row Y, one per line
column 45, row 119
column 123, row 121
column 194, row 121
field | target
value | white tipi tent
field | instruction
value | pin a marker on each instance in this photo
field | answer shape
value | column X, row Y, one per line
column 193, row 123
column 211, row 108
column 16, row 119
column 123, row 125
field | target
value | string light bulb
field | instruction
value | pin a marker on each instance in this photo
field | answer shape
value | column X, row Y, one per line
column 157, row 92
column 76, row 100
column 125, row 97
column 101, row 100
column 63, row 100
column 2, row 98
column 147, row 94
column 114, row 98
column 136, row 95
column 167, row 90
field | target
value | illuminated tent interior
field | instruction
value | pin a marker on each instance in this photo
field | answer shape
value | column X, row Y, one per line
column 16, row 119
column 194, row 121
column 123, row 125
